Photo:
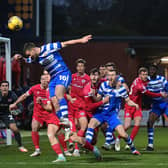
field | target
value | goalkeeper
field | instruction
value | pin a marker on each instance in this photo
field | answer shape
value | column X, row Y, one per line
column 6, row 98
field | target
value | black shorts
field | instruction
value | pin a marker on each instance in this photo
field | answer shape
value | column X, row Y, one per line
column 7, row 119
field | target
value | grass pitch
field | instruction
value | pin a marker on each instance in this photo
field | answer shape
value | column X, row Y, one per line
column 10, row 157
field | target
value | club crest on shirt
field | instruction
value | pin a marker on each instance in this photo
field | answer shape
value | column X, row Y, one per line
column 83, row 80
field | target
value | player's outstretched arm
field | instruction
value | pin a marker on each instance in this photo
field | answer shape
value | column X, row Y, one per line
column 131, row 103
column 19, row 100
column 47, row 107
column 82, row 40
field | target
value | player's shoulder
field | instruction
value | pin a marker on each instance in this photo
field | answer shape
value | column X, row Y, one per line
column 74, row 75
column 34, row 87
column 137, row 81
column 86, row 76
column 160, row 77
column 104, row 84
column 122, row 89
column 11, row 93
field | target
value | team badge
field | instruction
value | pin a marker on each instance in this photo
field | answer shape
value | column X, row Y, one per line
column 83, row 80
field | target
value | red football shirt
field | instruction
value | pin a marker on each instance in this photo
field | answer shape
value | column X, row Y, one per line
column 90, row 104
column 37, row 91
column 138, row 87
column 77, row 85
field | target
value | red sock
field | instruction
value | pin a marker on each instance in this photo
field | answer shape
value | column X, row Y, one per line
column 88, row 146
column 35, row 139
column 134, row 132
column 119, row 137
column 57, row 148
column 81, row 133
column 76, row 146
column 114, row 136
column 70, row 141
column 61, row 138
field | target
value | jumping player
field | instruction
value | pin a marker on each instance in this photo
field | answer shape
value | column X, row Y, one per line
column 49, row 57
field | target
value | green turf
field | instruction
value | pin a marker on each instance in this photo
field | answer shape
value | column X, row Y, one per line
column 11, row 157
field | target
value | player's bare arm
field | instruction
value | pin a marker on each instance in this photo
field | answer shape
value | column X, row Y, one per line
column 48, row 107
column 19, row 100
column 71, row 99
column 97, row 98
column 131, row 103
column 82, row 40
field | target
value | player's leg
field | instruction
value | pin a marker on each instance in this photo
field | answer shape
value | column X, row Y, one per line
column 127, row 139
column 83, row 123
column 95, row 138
column 115, row 123
column 104, row 128
column 82, row 141
column 18, row 138
column 128, row 114
column 127, row 124
column 94, row 122
column 137, row 122
column 35, row 137
column 109, row 139
column 71, row 116
column 61, row 137
column 10, row 123
column 58, row 87
column 51, row 132
column 150, row 128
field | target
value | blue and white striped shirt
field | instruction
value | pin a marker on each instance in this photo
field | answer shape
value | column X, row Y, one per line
column 157, row 85
column 51, row 60
column 115, row 96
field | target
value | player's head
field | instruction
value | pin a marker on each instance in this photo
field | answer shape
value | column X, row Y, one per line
column 110, row 66
column 31, row 50
column 94, row 75
column 112, row 75
column 153, row 70
column 44, row 81
column 4, row 85
column 102, row 70
column 47, row 75
column 143, row 73
column 80, row 65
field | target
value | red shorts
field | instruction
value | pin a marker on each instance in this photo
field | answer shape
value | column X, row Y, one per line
column 89, row 115
column 50, row 118
column 74, row 113
column 132, row 112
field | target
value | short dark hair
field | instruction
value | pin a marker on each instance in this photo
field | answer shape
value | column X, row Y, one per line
column 4, row 81
column 28, row 46
column 154, row 65
column 142, row 69
column 112, row 70
column 110, row 64
column 94, row 70
column 102, row 66
column 80, row 60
